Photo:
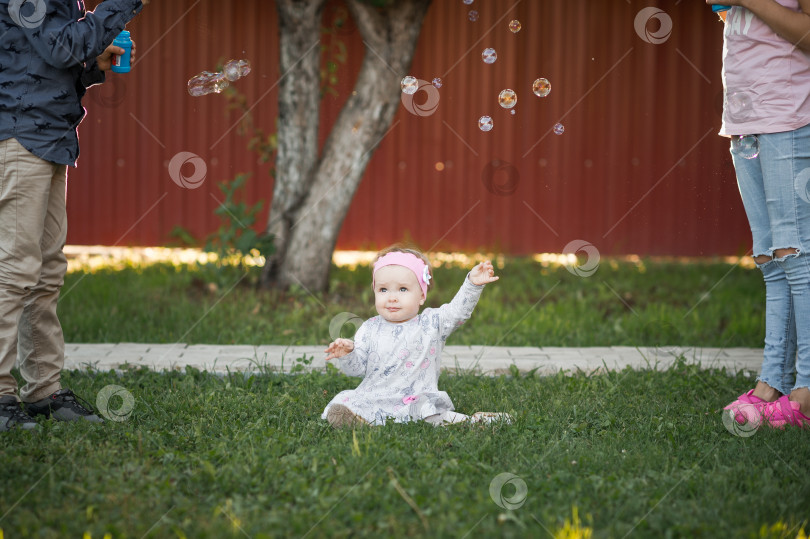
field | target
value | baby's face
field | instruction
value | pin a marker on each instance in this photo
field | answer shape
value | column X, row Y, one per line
column 397, row 294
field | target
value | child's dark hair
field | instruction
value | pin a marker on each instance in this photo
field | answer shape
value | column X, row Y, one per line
column 401, row 248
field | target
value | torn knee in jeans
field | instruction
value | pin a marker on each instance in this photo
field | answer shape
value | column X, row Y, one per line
column 782, row 254
column 762, row 259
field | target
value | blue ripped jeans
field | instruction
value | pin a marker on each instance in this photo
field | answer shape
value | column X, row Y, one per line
column 775, row 190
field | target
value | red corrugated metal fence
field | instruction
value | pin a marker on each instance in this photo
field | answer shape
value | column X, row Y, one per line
column 638, row 169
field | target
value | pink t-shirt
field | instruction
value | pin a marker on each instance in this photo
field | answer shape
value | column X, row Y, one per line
column 766, row 78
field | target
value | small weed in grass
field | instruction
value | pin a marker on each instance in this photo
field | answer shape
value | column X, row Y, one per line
column 642, row 453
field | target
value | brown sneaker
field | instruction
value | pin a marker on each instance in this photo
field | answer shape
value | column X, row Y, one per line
column 340, row 416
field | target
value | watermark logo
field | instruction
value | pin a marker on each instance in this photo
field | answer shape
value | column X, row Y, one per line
column 107, row 398
column 802, row 184
column 339, row 321
column 500, row 177
column 642, row 25
column 496, row 488
column 584, row 268
column 110, row 94
column 743, row 422
column 179, row 162
column 428, row 106
column 27, row 13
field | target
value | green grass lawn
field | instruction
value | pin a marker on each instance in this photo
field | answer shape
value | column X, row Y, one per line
column 644, row 304
column 637, row 453
column 633, row 453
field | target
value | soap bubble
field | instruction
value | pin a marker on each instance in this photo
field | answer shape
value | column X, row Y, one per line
column 515, row 26
column 207, row 83
column 236, row 69
column 489, row 56
column 745, row 146
column 468, row 2
column 409, row 85
column 559, row 129
column 437, row 82
column 485, row 123
column 739, row 106
column 541, row 87
column 473, row 16
column 512, row 111
column 507, row 98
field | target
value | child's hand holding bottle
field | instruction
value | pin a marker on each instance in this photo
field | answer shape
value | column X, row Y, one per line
column 718, row 7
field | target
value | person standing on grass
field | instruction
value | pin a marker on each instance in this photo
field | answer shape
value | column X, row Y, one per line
column 398, row 353
column 51, row 51
column 766, row 79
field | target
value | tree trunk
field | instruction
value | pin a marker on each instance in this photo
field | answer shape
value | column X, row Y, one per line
column 298, row 117
column 312, row 225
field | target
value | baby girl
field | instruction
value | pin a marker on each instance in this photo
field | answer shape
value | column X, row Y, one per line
column 398, row 353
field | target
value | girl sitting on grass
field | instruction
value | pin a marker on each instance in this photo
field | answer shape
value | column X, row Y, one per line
column 398, row 353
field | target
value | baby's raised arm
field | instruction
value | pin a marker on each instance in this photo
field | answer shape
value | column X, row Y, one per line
column 339, row 348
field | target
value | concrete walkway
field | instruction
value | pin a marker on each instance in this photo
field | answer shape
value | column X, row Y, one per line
column 478, row 359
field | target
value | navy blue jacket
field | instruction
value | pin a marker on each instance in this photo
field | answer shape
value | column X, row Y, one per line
column 48, row 51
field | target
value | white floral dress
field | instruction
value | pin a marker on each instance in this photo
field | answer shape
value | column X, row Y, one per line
column 400, row 363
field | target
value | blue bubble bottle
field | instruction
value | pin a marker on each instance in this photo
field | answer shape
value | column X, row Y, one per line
column 121, row 62
column 717, row 7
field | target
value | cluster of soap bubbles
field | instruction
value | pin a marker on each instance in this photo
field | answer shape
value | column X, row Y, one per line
column 208, row 82
column 472, row 15
column 507, row 98
column 410, row 84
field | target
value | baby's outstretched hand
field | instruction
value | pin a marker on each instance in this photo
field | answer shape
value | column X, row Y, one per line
column 339, row 348
column 483, row 273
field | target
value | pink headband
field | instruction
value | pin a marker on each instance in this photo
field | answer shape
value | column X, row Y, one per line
column 407, row 260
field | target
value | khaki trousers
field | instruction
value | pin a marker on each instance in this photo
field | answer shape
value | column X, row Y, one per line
column 33, row 229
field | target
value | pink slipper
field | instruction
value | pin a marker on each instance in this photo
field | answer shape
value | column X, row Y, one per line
column 784, row 411
column 746, row 399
